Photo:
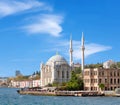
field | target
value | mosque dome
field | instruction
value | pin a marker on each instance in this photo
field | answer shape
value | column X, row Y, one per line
column 57, row 59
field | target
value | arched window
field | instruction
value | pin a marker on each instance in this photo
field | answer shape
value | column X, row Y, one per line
column 114, row 81
column 118, row 81
column 118, row 73
column 114, row 73
column 62, row 74
column 111, row 80
column 100, row 80
column 110, row 73
column 67, row 74
column 58, row 74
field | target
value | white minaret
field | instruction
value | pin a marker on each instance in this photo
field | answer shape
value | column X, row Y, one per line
column 82, row 53
column 71, row 51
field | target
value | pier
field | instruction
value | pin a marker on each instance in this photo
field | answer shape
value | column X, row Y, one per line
column 57, row 92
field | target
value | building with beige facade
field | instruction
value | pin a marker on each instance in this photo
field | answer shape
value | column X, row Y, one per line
column 109, row 77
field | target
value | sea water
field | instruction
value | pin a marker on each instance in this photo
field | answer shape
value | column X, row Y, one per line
column 9, row 96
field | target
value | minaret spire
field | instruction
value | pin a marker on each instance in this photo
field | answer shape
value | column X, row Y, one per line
column 82, row 53
column 71, row 51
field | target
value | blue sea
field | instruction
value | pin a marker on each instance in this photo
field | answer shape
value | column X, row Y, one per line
column 9, row 96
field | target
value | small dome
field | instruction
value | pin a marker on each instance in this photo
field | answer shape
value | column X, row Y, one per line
column 58, row 59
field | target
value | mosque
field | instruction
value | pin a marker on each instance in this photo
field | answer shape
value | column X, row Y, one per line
column 57, row 68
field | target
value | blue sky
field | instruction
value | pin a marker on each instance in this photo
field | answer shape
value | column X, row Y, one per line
column 31, row 31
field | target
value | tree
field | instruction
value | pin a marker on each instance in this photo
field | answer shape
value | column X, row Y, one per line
column 118, row 64
column 49, row 85
column 101, row 86
column 75, row 83
column 113, row 66
column 98, row 65
column 55, row 84
column 21, row 78
column 77, row 70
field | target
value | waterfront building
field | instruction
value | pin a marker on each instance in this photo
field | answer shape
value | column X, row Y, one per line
column 77, row 65
column 26, row 83
column 108, row 64
column 110, row 78
column 56, row 70
column 3, row 81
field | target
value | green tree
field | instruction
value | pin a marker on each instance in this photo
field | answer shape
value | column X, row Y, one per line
column 98, row 65
column 77, row 70
column 101, row 86
column 118, row 64
column 49, row 85
column 21, row 78
column 56, row 84
column 113, row 66
column 75, row 83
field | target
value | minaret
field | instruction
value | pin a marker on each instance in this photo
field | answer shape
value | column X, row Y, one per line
column 82, row 53
column 71, row 52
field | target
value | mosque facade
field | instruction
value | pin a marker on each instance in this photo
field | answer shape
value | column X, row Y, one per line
column 57, row 68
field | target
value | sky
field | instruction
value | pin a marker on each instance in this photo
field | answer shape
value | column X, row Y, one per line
column 31, row 31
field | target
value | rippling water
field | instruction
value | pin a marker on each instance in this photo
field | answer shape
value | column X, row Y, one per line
column 9, row 96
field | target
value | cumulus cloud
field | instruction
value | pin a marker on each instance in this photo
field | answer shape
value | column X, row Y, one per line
column 9, row 7
column 46, row 24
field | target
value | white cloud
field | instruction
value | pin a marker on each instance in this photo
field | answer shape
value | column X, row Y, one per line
column 90, row 48
column 9, row 7
column 46, row 24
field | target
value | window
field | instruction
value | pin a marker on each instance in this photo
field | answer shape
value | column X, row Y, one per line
column 114, row 81
column 62, row 74
column 58, row 74
column 91, row 80
column 110, row 73
column 100, row 80
column 106, row 88
column 118, row 73
column 118, row 81
column 103, row 73
column 105, row 80
column 67, row 74
column 111, row 80
column 114, row 73
column 99, row 73
column 91, row 73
